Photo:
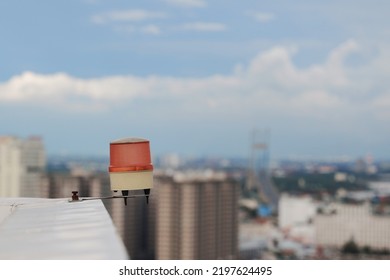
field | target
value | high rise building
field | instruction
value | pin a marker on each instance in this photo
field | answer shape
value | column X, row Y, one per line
column 196, row 218
column 22, row 166
column 33, row 159
column 10, row 167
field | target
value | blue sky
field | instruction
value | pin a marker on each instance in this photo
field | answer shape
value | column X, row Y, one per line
column 197, row 76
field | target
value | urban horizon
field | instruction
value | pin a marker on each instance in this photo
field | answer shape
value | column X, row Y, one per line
column 237, row 156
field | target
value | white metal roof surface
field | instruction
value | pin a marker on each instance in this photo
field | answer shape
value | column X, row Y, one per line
column 47, row 229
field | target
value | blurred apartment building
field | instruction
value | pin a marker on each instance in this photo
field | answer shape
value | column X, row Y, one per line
column 196, row 216
column 22, row 167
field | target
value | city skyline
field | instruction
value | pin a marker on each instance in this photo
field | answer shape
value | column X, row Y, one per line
column 195, row 77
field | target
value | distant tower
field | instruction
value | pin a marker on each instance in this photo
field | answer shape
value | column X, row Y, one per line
column 258, row 181
column 258, row 163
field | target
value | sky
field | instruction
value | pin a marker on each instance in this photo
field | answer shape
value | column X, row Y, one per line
column 197, row 77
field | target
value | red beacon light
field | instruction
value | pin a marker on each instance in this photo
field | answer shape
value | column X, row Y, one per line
column 130, row 166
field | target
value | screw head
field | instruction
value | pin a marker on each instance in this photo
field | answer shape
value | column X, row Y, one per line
column 75, row 196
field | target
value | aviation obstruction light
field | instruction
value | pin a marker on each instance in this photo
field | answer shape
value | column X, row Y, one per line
column 130, row 166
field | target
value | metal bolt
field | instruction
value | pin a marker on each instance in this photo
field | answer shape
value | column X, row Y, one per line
column 75, row 196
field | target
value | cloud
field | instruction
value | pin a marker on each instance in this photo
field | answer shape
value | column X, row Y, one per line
column 271, row 84
column 262, row 17
column 188, row 3
column 119, row 21
column 127, row 16
column 276, row 68
column 204, row 26
column 61, row 90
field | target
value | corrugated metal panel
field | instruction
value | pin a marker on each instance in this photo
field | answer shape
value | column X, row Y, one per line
column 57, row 229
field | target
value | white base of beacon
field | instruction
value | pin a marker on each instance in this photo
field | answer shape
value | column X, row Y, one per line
column 136, row 180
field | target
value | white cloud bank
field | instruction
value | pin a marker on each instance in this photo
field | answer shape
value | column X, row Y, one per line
column 270, row 83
